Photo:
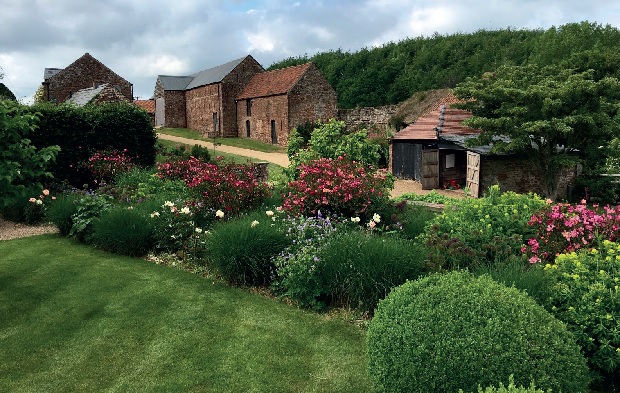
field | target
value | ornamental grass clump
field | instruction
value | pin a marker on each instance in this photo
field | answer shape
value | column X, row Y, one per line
column 347, row 268
column 471, row 232
column 241, row 250
column 61, row 211
column 585, row 294
column 336, row 187
column 564, row 228
column 124, row 231
column 454, row 331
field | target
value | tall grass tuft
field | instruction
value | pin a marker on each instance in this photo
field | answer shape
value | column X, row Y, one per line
column 60, row 213
column 124, row 231
column 241, row 250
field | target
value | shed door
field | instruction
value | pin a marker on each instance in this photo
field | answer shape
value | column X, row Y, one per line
column 430, row 169
column 403, row 160
column 473, row 174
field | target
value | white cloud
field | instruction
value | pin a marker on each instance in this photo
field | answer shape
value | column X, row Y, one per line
column 260, row 42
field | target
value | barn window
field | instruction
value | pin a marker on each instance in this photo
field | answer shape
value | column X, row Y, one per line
column 450, row 160
column 247, row 128
column 248, row 107
column 215, row 125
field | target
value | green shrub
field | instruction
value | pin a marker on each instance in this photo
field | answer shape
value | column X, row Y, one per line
column 200, row 152
column 585, row 295
column 60, row 212
column 88, row 209
column 456, row 331
column 348, row 269
column 241, row 250
column 414, row 220
column 124, row 231
column 473, row 231
column 511, row 388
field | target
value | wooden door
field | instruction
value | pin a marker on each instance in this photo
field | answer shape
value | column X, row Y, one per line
column 160, row 112
column 430, row 169
column 473, row 174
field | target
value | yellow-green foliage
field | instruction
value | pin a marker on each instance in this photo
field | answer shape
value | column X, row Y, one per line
column 585, row 296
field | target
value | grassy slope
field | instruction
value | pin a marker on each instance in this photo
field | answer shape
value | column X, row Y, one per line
column 76, row 319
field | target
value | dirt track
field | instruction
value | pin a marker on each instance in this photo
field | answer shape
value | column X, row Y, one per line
column 400, row 187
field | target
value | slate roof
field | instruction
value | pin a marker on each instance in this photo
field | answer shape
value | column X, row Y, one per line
column 202, row 78
column 50, row 72
column 84, row 96
column 275, row 82
column 147, row 105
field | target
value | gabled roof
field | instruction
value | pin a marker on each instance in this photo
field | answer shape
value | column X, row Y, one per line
column 275, row 82
column 52, row 72
column 84, row 96
column 202, row 78
column 49, row 72
column 147, row 105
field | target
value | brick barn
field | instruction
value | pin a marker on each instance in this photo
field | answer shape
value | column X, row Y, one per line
column 275, row 102
column 433, row 150
column 60, row 84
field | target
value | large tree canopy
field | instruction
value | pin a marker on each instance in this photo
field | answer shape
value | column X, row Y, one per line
column 546, row 112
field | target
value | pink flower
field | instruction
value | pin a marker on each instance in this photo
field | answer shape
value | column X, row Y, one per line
column 46, row 192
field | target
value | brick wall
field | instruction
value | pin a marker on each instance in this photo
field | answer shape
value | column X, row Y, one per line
column 264, row 110
column 202, row 102
column 83, row 73
column 520, row 175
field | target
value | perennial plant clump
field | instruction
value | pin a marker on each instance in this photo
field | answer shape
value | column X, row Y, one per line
column 585, row 294
column 336, row 186
column 105, row 165
column 564, row 228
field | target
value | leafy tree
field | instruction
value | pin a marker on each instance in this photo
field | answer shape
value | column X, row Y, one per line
column 21, row 164
column 545, row 112
column 6, row 94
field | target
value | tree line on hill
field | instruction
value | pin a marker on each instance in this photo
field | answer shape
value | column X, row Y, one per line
column 391, row 73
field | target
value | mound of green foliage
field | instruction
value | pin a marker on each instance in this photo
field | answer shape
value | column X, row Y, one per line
column 456, row 331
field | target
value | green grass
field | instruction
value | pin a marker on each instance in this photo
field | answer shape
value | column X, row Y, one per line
column 244, row 143
column 74, row 319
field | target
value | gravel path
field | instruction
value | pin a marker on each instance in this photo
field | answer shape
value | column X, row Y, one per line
column 13, row 230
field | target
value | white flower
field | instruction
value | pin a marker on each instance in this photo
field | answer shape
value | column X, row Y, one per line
column 168, row 203
column 39, row 202
column 254, row 223
column 355, row 219
column 130, row 208
column 198, row 230
column 219, row 214
column 185, row 210
column 154, row 214
column 269, row 213
column 376, row 218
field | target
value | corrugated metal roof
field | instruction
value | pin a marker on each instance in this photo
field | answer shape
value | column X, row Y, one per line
column 275, row 82
column 213, row 75
column 84, row 96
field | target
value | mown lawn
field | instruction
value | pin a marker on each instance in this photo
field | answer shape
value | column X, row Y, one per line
column 74, row 319
column 244, row 143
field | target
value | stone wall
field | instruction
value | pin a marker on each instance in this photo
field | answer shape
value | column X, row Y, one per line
column 264, row 110
column 520, row 175
column 83, row 73
column 202, row 103
column 369, row 117
column 311, row 99
column 175, row 109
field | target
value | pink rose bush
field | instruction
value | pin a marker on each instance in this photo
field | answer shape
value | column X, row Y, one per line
column 231, row 187
column 106, row 165
column 336, row 186
column 564, row 228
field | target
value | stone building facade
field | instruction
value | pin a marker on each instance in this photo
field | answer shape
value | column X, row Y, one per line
column 204, row 101
column 59, row 85
column 275, row 102
column 368, row 117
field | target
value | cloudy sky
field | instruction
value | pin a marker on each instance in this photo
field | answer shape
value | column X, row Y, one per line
column 140, row 39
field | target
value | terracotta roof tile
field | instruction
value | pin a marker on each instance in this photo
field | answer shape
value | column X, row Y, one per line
column 274, row 82
column 147, row 105
column 425, row 127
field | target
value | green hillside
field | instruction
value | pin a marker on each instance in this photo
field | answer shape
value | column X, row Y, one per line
column 395, row 71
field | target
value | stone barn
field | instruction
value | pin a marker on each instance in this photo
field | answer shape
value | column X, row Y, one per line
column 275, row 102
column 60, row 84
column 204, row 101
column 433, row 150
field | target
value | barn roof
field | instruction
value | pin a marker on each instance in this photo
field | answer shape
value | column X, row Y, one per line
column 201, row 78
column 275, row 82
column 84, row 96
column 147, row 105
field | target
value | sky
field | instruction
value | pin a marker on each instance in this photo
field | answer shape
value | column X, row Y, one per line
column 141, row 39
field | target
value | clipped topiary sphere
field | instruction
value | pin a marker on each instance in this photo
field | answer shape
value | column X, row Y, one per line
column 454, row 331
